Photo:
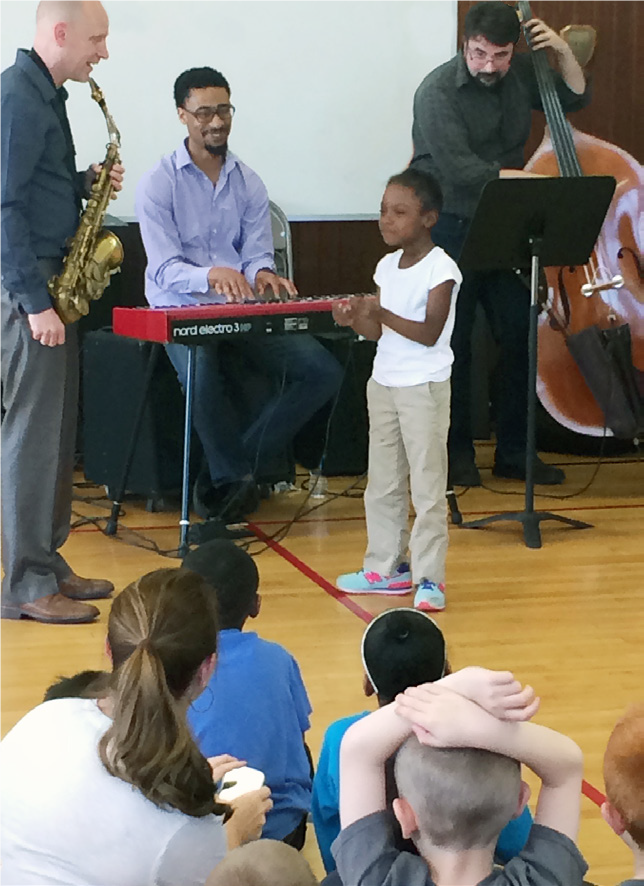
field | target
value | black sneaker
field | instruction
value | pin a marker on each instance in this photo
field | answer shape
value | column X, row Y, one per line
column 544, row 475
column 199, row 533
column 241, row 501
column 230, row 503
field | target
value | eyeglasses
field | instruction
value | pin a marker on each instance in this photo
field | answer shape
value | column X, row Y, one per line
column 482, row 57
column 206, row 114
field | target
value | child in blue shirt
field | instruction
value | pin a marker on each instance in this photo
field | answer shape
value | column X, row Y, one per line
column 255, row 706
column 400, row 648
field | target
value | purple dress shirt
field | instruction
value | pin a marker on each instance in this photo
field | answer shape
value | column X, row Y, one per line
column 189, row 225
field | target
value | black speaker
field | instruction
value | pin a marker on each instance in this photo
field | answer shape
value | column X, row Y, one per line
column 114, row 370
column 337, row 437
column 113, row 374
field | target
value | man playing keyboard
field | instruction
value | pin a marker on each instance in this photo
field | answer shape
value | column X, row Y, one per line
column 205, row 224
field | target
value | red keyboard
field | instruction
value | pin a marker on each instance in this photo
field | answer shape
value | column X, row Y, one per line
column 204, row 323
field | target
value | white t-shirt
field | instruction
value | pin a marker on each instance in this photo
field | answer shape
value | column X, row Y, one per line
column 66, row 820
column 400, row 362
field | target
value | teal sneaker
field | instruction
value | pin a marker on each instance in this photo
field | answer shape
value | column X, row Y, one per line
column 373, row 583
column 430, row 597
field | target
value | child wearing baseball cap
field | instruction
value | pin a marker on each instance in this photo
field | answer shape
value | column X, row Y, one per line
column 400, row 648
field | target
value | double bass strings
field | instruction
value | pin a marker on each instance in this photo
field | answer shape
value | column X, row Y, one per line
column 560, row 131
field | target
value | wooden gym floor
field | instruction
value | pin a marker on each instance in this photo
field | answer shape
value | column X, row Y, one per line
column 567, row 618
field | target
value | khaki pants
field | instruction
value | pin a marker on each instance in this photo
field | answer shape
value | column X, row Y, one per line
column 407, row 447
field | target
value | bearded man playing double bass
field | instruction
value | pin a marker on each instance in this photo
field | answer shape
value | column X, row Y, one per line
column 41, row 200
column 472, row 118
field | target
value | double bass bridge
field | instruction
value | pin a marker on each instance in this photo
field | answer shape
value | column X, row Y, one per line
column 589, row 289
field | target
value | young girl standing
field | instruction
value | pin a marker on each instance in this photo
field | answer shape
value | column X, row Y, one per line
column 408, row 395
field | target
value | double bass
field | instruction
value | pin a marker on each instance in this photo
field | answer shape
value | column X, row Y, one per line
column 601, row 301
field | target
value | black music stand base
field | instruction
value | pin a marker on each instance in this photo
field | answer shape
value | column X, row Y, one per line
column 530, row 521
column 549, row 222
column 529, row 518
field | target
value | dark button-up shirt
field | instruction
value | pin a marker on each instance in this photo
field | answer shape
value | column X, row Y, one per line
column 465, row 132
column 60, row 107
column 40, row 186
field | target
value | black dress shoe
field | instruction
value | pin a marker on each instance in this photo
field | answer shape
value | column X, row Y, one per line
column 199, row 533
column 543, row 475
column 463, row 472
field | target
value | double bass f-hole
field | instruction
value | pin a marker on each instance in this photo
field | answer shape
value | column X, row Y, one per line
column 606, row 293
column 563, row 142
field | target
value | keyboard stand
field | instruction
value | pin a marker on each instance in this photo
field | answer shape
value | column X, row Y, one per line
column 184, row 522
column 112, row 523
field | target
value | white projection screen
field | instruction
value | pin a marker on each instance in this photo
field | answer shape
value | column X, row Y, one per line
column 323, row 88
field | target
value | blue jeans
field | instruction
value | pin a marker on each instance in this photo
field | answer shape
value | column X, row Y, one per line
column 506, row 302
column 304, row 377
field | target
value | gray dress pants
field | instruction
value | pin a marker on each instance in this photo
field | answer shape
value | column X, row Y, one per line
column 40, row 401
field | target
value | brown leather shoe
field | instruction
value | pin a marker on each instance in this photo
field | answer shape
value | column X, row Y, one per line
column 53, row 609
column 77, row 588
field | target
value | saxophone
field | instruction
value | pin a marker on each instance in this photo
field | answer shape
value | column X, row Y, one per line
column 94, row 253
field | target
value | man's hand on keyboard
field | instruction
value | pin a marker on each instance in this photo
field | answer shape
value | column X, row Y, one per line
column 265, row 281
column 230, row 283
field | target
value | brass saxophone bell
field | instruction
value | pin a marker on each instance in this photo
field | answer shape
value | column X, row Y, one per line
column 94, row 253
column 105, row 260
column 108, row 251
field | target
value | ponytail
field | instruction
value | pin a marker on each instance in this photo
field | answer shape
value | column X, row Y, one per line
column 148, row 743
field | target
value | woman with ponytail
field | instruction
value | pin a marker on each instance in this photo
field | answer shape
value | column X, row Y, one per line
column 113, row 790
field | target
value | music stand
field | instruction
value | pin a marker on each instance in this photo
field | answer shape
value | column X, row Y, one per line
column 535, row 223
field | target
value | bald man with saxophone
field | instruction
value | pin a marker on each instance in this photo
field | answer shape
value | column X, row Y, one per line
column 42, row 195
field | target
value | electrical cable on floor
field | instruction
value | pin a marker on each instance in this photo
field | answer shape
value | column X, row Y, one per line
column 564, row 497
column 137, row 539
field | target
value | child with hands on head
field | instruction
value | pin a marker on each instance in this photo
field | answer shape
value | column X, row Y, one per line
column 400, row 648
column 461, row 742
column 408, row 397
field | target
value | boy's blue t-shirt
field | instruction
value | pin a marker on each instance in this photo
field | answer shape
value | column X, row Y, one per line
column 258, row 710
column 325, row 805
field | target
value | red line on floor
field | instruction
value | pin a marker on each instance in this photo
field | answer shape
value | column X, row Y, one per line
column 312, row 574
column 587, row 789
